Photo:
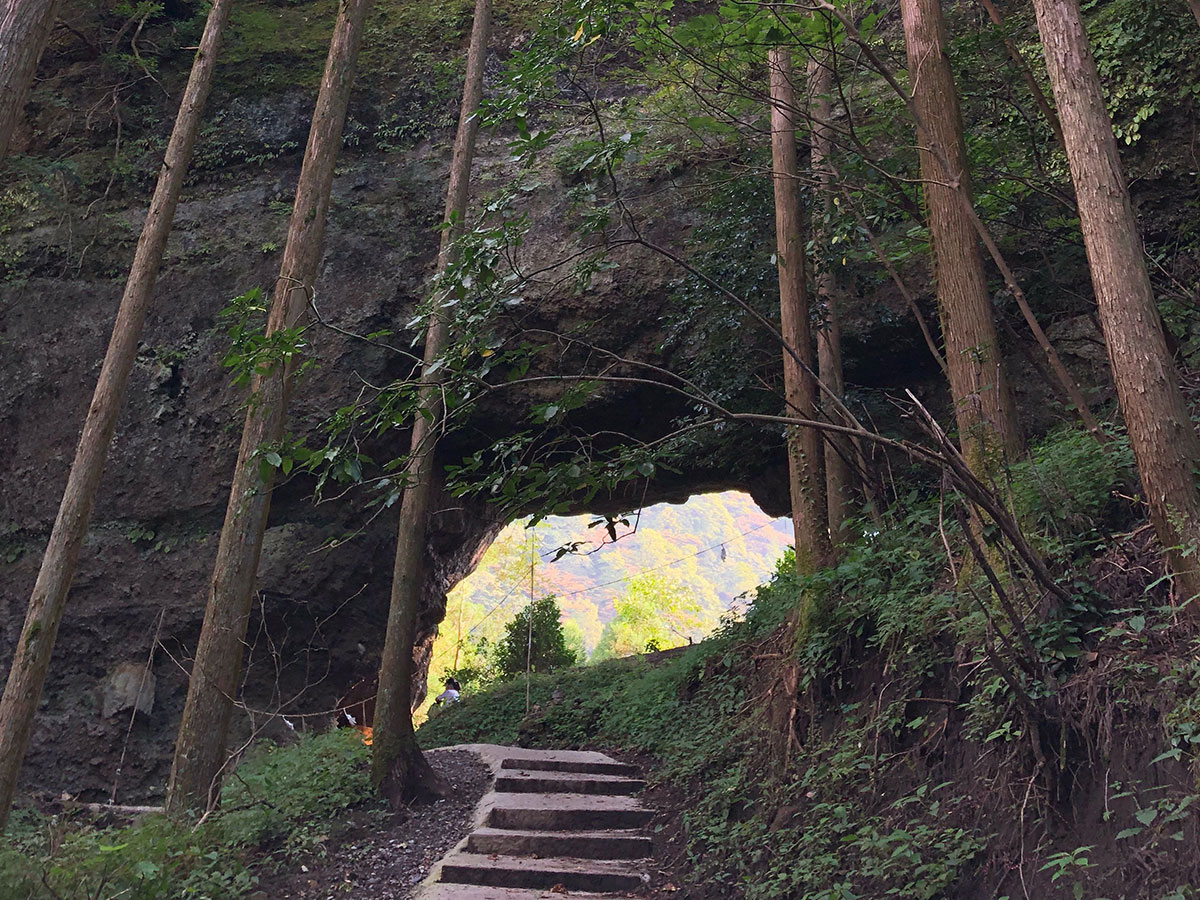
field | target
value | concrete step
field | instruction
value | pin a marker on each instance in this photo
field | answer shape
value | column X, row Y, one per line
column 579, row 844
column 545, row 874
column 551, row 782
column 565, row 812
column 553, row 763
column 444, row 891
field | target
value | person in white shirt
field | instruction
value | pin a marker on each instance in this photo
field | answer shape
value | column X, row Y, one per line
column 450, row 694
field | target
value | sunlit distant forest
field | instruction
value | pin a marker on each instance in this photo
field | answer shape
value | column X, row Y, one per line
column 704, row 553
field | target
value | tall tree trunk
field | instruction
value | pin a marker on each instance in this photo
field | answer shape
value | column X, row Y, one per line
column 397, row 766
column 200, row 749
column 25, row 26
column 1195, row 5
column 983, row 406
column 32, row 658
column 838, row 478
column 804, row 445
column 1161, row 432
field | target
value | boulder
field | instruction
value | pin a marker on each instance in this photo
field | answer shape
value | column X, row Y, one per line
column 129, row 685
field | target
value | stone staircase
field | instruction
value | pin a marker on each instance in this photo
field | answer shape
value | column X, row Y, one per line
column 556, row 824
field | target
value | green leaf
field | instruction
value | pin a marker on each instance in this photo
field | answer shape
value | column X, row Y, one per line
column 1146, row 816
column 147, row 869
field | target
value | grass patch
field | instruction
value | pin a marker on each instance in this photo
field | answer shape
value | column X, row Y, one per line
column 282, row 806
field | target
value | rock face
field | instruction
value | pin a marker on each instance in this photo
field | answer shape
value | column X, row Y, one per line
column 319, row 615
column 326, row 568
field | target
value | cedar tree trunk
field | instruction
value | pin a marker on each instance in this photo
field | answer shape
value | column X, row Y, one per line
column 200, row 747
column 982, row 404
column 805, row 450
column 25, row 26
column 32, row 659
column 398, row 768
column 829, row 336
column 1161, row 432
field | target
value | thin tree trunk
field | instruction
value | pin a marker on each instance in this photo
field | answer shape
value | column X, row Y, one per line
column 804, row 445
column 398, row 768
column 983, row 406
column 25, row 26
column 201, row 746
column 1160, row 429
column 32, row 659
column 1039, row 97
column 946, row 162
column 838, row 477
column 1195, row 5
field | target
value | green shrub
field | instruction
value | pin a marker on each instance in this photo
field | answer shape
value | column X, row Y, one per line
column 280, row 805
column 1064, row 490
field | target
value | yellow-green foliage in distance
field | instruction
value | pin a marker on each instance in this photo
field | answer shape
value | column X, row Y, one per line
column 700, row 556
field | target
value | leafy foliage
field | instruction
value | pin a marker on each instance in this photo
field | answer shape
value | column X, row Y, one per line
column 1147, row 62
column 655, row 613
column 534, row 639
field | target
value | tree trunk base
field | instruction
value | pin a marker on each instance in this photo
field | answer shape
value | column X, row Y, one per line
column 411, row 780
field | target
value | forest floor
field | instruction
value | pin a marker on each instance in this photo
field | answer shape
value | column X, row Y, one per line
column 388, row 862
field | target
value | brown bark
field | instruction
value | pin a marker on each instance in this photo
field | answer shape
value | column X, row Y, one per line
column 200, row 748
column 838, row 478
column 1039, row 97
column 32, row 658
column 1195, row 6
column 804, row 445
column 1160, row 429
column 982, row 403
column 944, row 158
column 25, row 26
column 397, row 765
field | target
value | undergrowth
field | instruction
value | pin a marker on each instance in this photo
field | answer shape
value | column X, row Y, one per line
column 281, row 806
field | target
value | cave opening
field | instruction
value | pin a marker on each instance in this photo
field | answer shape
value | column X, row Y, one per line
column 655, row 579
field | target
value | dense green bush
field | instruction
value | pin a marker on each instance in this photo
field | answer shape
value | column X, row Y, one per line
column 534, row 638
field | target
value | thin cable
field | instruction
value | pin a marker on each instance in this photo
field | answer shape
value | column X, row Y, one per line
column 529, row 639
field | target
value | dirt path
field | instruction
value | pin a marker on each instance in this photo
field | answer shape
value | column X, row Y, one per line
column 387, row 861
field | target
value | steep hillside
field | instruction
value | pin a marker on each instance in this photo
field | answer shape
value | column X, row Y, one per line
column 891, row 751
